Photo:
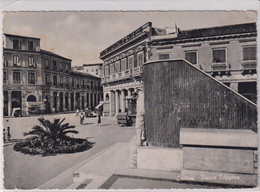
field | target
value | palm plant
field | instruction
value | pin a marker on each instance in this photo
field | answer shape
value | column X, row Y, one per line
column 51, row 132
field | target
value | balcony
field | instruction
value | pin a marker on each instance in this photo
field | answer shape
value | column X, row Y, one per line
column 220, row 66
column 122, row 75
column 17, row 81
column 249, row 64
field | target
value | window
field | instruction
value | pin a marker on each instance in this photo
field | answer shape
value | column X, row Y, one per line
column 72, row 82
column 140, row 59
column 96, row 71
column 67, row 81
column 61, row 80
column 54, row 79
column 83, row 83
column 219, row 55
column 60, row 66
column 5, row 77
column 47, row 65
column 130, row 61
column 191, row 56
column 249, row 53
column 78, row 82
column 106, row 71
column 16, row 44
column 16, row 60
column 123, row 64
column 4, row 61
column 67, row 68
column 16, row 77
column 92, row 70
column 31, row 78
column 164, row 56
column 31, row 62
column 112, row 69
column 30, row 45
column 117, row 67
column 54, row 65
column 47, row 79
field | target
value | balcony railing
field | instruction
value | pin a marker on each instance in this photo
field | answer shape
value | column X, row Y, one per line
column 18, row 81
column 249, row 64
column 122, row 75
column 220, row 66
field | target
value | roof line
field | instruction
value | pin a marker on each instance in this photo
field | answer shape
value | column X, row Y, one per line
column 7, row 34
column 53, row 54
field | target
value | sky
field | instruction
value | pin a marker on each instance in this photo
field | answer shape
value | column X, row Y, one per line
column 81, row 36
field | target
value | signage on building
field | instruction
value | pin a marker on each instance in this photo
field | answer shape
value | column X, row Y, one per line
column 129, row 37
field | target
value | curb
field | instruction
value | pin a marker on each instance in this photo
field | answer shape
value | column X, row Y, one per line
column 56, row 179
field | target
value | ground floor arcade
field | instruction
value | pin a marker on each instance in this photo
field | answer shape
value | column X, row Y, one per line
column 35, row 102
column 121, row 98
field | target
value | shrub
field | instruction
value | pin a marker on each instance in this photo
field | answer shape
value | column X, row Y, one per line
column 51, row 138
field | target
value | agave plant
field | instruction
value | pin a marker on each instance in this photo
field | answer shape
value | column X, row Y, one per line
column 51, row 132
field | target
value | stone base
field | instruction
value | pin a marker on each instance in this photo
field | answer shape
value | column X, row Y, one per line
column 219, row 177
column 161, row 159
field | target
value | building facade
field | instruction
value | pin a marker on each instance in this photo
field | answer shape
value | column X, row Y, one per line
column 228, row 53
column 39, row 81
column 93, row 69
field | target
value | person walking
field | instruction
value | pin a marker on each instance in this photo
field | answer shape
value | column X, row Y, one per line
column 81, row 118
column 77, row 112
column 8, row 134
column 99, row 115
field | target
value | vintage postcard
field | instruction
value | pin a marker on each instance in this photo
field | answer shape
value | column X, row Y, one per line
column 130, row 99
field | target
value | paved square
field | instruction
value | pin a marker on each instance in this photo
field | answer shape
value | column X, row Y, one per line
column 25, row 171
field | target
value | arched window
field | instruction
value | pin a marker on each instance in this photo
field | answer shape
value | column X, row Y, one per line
column 31, row 98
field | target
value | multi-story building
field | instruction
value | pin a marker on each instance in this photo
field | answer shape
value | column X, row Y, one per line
column 93, row 69
column 39, row 81
column 228, row 53
column 77, row 69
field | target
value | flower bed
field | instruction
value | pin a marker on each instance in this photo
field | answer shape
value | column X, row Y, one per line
column 51, row 139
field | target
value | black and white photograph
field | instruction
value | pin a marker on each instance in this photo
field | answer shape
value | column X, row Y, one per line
column 134, row 99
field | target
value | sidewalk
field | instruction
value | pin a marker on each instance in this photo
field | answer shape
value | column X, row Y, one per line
column 110, row 169
column 113, row 161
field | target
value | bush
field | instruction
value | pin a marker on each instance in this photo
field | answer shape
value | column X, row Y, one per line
column 51, row 139
column 71, row 145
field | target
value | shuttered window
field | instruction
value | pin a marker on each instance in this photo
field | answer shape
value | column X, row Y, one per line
column 219, row 55
column 31, row 78
column 123, row 64
column 140, row 59
column 130, row 61
column 16, row 77
column 249, row 53
column 112, row 69
column 191, row 56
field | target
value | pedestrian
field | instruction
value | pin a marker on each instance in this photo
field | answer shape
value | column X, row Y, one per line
column 81, row 118
column 8, row 134
column 99, row 115
column 53, row 109
column 4, row 134
column 77, row 112
column 86, row 112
